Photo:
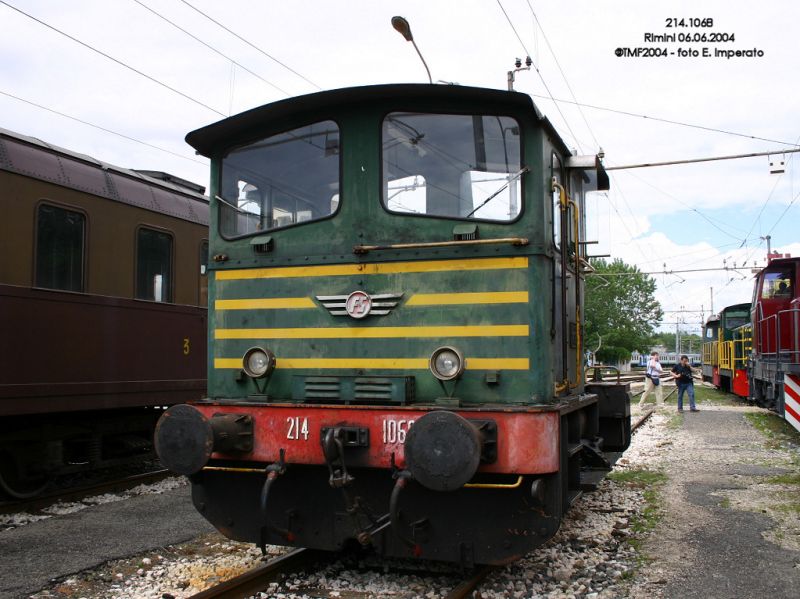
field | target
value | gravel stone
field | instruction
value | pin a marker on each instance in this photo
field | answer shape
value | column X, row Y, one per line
column 591, row 557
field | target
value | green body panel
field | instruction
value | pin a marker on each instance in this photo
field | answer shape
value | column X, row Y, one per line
column 361, row 219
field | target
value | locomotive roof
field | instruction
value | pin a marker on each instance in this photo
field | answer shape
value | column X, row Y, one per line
column 31, row 157
column 778, row 262
column 732, row 307
column 242, row 128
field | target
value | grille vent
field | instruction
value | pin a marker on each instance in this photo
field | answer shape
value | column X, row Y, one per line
column 465, row 232
column 353, row 389
column 322, row 388
column 373, row 389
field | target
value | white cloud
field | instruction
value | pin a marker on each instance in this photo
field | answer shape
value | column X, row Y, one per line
column 341, row 44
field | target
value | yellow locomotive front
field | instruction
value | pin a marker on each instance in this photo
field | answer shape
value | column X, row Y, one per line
column 395, row 327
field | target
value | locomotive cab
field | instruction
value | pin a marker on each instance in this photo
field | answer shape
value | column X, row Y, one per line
column 395, row 327
column 775, row 369
column 774, row 308
column 711, row 350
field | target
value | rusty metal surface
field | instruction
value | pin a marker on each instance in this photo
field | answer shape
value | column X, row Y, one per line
column 250, row 583
column 31, row 157
column 641, row 420
column 467, row 586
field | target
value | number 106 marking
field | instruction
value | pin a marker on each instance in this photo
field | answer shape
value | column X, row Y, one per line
column 394, row 431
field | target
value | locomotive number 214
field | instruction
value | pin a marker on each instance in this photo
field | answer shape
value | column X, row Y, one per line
column 298, row 427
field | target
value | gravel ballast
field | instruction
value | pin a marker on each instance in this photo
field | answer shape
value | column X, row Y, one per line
column 712, row 527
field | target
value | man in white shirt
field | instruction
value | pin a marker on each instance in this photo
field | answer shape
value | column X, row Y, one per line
column 653, row 373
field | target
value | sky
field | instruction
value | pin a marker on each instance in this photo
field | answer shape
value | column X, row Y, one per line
column 707, row 215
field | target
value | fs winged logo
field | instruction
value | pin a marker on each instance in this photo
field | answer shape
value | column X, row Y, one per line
column 360, row 304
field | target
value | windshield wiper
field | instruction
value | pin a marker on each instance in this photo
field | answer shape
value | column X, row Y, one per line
column 239, row 210
column 517, row 175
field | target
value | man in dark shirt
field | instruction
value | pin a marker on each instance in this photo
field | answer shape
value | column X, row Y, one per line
column 682, row 373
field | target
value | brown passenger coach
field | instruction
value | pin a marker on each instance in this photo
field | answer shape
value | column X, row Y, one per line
column 103, row 298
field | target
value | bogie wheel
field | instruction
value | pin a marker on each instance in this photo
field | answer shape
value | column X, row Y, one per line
column 15, row 484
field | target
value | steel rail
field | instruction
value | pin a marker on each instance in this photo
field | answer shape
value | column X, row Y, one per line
column 465, row 588
column 641, row 420
column 78, row 493
column 255, row 580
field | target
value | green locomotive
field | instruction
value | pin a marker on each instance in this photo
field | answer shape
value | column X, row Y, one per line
column 395, row 353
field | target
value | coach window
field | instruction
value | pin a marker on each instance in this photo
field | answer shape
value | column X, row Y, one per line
column 60, row 242
column 153, row 265
column 282, row 180
column 203, row 299
column 452, row 166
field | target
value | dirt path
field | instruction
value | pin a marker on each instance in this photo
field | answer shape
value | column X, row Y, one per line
column 731, row 510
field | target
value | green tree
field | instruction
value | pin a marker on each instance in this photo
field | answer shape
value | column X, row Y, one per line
column 621, row 311
column 690, row 342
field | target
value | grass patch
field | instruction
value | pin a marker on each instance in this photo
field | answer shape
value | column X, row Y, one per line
column 638, row 478
column 725, row 503
column 774, row 428
column 785, row 479
column 790, row 508
column 715, row 397
column 675, row 422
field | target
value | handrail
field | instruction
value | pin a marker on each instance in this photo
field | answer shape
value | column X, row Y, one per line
column 789, row 354
column 363, row 249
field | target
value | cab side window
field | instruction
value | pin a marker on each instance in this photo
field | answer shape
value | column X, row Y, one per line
column 556, row 173
column 60, row 245
column 778, row 285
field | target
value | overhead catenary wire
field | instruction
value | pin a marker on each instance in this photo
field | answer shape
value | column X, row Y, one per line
column 538, row 72
column 696, row 160
column 251, row 44
column 764, row 205
column 210, row 47
column 563, row 75
column 111, row 58
column 667, row 271
column 618, row 187
column 668, row 121
column 101, row 128
column 780, row 218
column 691, row 208
column 708, row 249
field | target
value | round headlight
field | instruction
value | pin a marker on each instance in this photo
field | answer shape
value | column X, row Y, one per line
column 258, row 363
column 447, row 363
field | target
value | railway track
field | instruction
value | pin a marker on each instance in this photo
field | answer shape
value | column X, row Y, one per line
column 642, row 419
column 78, row 493
column 258, row 579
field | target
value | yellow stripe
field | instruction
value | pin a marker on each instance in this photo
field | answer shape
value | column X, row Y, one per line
column 510, row 330
column 334, row 270
column 380, row 363
column 452, row 299
column 274, row 303
column 228, row 363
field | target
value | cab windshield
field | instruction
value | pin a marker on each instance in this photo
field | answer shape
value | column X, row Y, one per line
column 452, row 166
column 283, row 180
column 778, row 285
